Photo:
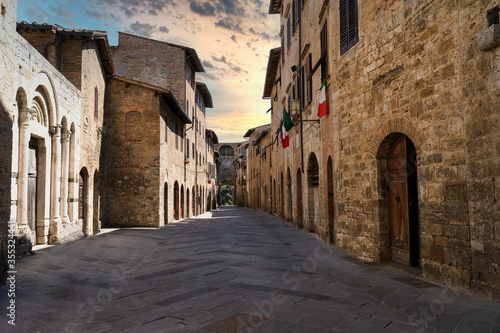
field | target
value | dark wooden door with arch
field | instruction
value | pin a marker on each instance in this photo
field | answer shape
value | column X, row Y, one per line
column 403, row 202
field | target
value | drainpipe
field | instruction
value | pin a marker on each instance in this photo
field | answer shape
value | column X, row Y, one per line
column 302, row 88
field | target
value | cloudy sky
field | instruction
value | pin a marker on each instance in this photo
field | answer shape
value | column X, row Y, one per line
column 231, row 37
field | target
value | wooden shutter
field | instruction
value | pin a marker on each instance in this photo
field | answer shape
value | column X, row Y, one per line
column 294, row 15
column 309, row 77
column 348, row 12
column 324, row 52
column 288, row 33
column 282, row 50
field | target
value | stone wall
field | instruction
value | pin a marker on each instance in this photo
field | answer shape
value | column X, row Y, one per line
column 416, row 70
column 7, row 96
column 132, row 153
column 91, row 132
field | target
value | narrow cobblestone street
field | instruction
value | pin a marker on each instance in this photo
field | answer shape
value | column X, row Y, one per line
column 227, row 271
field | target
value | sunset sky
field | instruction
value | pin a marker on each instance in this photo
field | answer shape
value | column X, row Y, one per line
column 232, row 39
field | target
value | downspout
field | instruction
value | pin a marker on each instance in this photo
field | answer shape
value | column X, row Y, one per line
column 301, row 97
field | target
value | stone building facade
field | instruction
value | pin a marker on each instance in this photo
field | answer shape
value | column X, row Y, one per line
column 240, row 164
column 404, row 166
column 168, row 137
column 259, row 167
column 61, row 98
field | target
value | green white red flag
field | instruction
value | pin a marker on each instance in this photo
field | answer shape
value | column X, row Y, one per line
column 287, row 125
column 322, row 107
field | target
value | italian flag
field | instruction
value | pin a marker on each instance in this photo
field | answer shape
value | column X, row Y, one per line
column 285, row 127
column 322, row 101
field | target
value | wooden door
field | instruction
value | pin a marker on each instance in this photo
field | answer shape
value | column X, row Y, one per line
column 398, row 202
column 32, row 184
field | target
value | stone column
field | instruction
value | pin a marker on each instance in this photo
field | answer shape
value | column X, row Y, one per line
column 55, row 167
column 66, row 135
column 22, row 178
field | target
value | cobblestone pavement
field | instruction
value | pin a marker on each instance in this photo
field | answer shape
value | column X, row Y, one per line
column 227, row 271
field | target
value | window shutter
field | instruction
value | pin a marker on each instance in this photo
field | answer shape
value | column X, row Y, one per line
column 324, row 53
column 282, row 49
column 294, row 15
column 309, row 78
column 353, row 22
column 348, row 12
column 289, row 36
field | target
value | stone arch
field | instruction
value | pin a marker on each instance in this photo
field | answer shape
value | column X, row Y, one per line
column 133, row 126
column 72, row 171
column 387, row 190
column 65, row 146
column 282, row 197
column 395, row 125
column 313, row 190
column 45, row 87
column 226, row 150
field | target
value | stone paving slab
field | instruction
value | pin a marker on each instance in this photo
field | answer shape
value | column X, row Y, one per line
column 229, row 270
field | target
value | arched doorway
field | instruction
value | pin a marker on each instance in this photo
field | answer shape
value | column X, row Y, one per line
column 402, row 201
column 165, row 203
column 193, row 193
column 209, row 201
column 274, row 189
column 176, row 201
column 265, row 198
column 299, row 199
column 289, row 195
column 187, row 202
column 83, row 201
column 271, row 194
column 96, row 225
column 282, row 198
column 330, row 204
column 182, row 202
column 312, row 195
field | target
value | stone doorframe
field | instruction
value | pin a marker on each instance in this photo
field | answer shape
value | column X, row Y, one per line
column 378, row 145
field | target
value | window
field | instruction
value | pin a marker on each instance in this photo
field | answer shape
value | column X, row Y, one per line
column 282, row 52
column 288, row 33
column 96, row 103
column 324, row 53
column 348, row 24
column 307, row 81
column 294, row 15
column 187, row 108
